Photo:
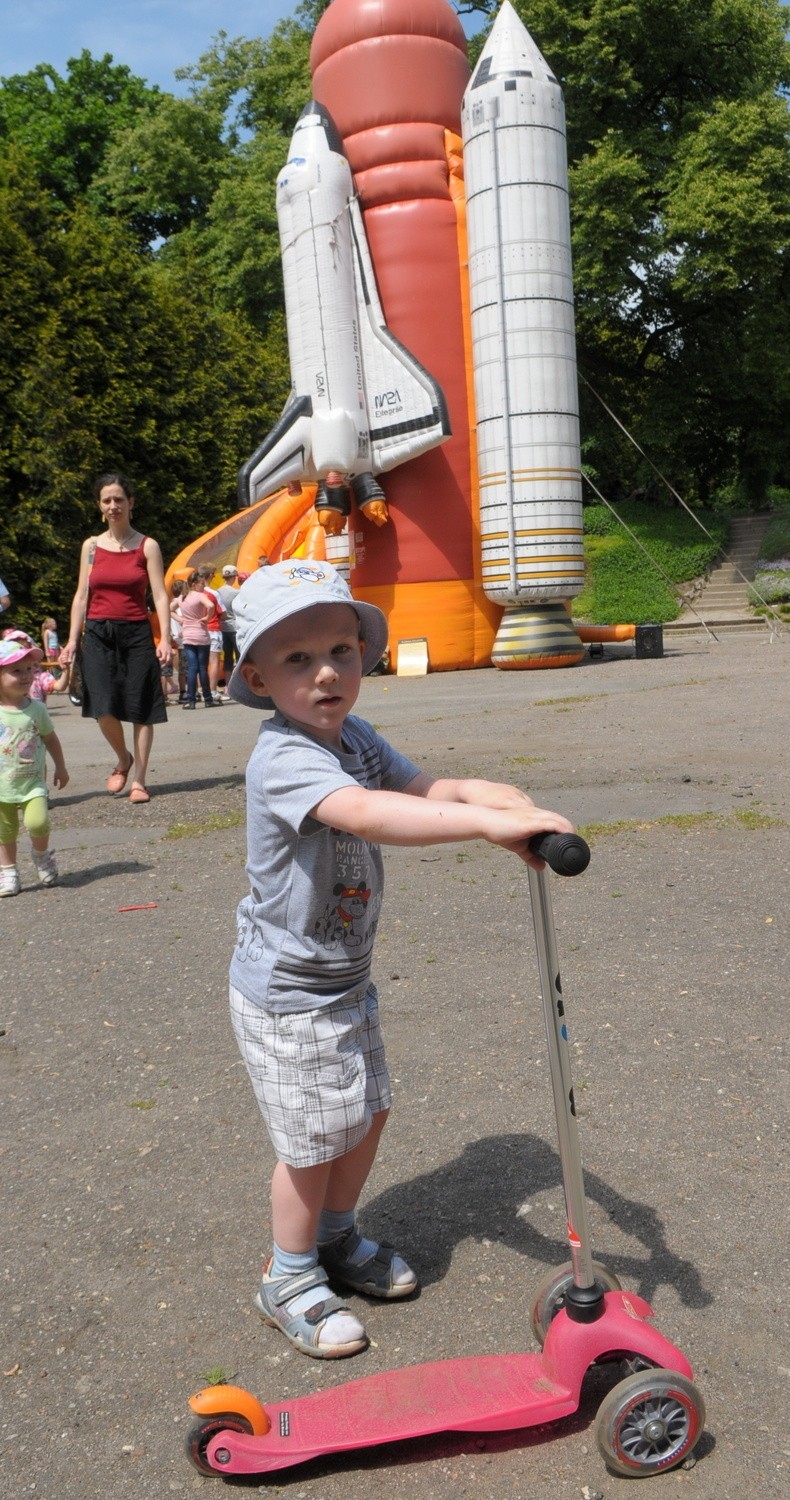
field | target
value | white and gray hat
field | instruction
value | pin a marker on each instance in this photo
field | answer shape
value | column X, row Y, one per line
column 284, row 589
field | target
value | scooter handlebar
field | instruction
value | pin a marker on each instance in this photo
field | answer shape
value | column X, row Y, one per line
column 566, row 853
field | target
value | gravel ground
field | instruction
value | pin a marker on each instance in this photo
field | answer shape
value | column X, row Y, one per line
column 135, row 1164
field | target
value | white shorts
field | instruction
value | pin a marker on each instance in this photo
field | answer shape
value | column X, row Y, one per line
column 214, row 641
column 319, row 1075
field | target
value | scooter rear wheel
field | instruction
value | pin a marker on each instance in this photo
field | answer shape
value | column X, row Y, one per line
column 649, row 1423
column 550, row 1296
column 200, row 1434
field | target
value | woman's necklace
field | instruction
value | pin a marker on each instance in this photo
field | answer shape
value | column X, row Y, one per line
column 122, row 542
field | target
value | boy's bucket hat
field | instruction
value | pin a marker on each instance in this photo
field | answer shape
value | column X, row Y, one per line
column 284, row 589
column 229, row 571
column 12, row 651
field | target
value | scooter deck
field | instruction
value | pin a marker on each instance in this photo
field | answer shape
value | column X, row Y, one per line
column 492, row 1393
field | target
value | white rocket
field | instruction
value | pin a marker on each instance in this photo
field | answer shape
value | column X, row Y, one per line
column 523, row 342
column 359, row 402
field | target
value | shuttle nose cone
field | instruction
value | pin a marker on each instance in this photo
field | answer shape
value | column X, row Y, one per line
column 510, row 52
column 315, row 116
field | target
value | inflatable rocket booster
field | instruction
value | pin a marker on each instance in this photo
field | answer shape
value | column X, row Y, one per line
column 360, row 403
column 523, row 339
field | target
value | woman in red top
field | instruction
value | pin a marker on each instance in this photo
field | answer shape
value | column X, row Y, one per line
column 120, row 666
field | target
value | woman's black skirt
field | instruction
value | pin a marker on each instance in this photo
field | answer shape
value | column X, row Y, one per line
column 121, row 673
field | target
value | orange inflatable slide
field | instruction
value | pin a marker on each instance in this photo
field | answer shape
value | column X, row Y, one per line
column 283, row 525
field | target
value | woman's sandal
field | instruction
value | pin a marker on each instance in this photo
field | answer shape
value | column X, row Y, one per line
column 117, row 780
column 374, row 1277
column 138, row 793
column 303, row 1330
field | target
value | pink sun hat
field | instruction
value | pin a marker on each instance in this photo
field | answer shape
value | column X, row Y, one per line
column 13, row 650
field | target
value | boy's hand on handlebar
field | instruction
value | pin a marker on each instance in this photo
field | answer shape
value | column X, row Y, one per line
column 512, row 829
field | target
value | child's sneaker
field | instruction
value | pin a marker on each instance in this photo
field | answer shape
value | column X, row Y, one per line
column 312, row 1319
column 47, row 869
column 10, row 884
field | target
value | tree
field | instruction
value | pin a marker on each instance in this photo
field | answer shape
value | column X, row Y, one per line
column 67, row 124
column 122, row 367
column 161, row 174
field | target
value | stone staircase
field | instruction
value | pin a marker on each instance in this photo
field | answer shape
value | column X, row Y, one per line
column 723, row 600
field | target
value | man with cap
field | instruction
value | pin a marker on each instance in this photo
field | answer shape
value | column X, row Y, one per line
column 324, row 790
column 227, row 592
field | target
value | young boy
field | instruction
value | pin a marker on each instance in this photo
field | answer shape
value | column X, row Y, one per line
column 324, row 790
column 26, row 731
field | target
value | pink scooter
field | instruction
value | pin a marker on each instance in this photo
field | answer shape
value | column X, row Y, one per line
column 648, row 1423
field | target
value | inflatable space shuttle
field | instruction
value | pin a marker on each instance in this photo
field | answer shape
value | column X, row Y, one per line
column 360, row 403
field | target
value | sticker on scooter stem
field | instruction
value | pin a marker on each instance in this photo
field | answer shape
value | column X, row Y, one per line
column 573, row 1238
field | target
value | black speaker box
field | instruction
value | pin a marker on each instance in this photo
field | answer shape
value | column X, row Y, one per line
column 649, row 640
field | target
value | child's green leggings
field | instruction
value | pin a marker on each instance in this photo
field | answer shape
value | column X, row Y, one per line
column 35, row 814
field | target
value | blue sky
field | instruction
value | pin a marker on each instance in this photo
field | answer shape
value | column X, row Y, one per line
column 152, row 37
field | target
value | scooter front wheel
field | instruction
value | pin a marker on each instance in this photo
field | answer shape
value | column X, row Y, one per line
column 200, row 1434
column 649, row 1423
column 551, row 1294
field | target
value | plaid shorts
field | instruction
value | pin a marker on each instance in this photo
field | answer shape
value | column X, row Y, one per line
column 319, row 1075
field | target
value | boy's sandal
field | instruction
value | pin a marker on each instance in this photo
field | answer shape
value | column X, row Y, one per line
column 374, row 1278
column 303, row 1330
column 117, row 780
column 138, row 793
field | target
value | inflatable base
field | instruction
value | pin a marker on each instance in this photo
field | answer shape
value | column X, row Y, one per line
column 536, row 635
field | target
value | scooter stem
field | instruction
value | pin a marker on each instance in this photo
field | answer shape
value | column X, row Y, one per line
column 588, row 1305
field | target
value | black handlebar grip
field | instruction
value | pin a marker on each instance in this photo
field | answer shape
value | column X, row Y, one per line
column 566, row 853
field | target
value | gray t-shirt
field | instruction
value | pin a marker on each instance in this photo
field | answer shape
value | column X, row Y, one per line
column 227, row 594
column 306, row 930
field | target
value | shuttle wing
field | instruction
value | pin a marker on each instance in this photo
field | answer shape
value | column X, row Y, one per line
column 283, row 456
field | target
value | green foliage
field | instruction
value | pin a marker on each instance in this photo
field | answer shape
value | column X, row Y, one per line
column 161, row 174
column 622, row 584
column 67, row 124
column 776, row 542
column 123, row 368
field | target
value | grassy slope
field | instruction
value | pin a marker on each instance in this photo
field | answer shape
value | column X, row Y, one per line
column 622, row 584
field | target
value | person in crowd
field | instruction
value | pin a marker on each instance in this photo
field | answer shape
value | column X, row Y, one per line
column 5, row 597
column 121, row 665
column 49, row 639
column 215, row 648
column 227, row 593
column 27, row 734
column 178, row 589
column 196, row 611
column 324, row 791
